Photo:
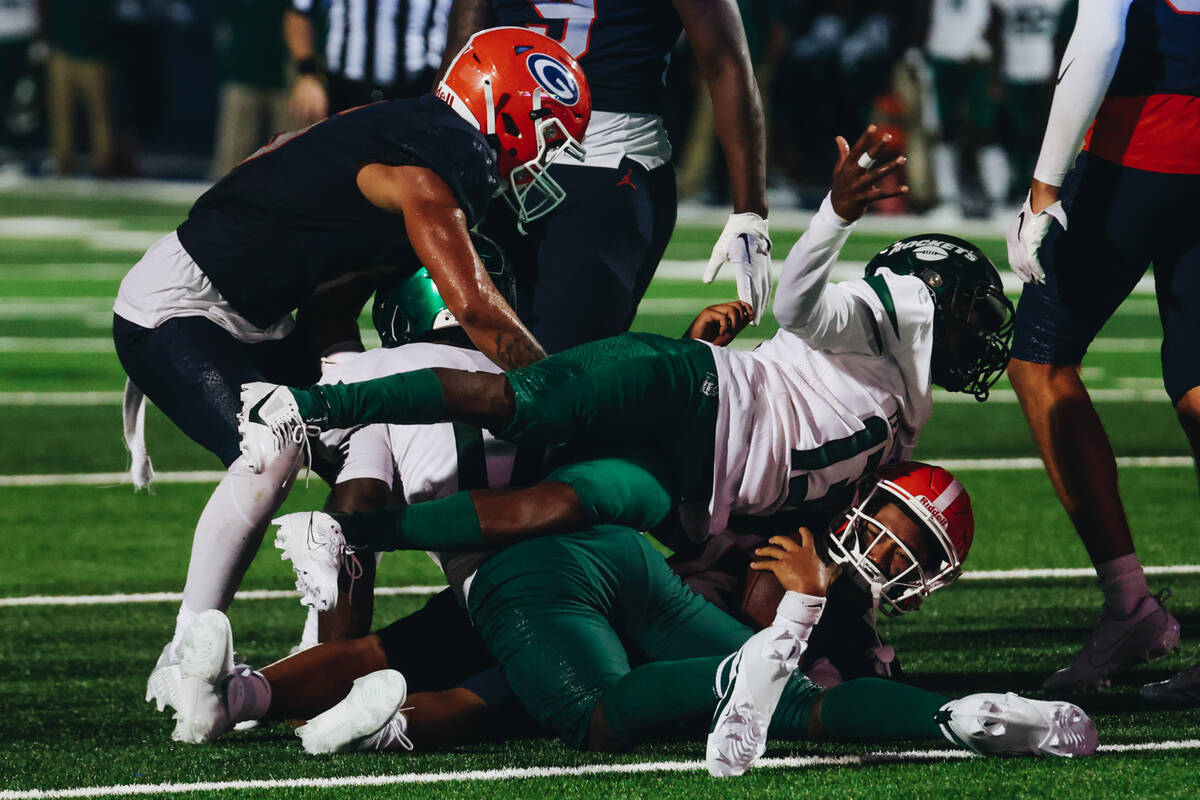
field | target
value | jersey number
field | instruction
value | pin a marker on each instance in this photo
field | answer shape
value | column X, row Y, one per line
column 874, row 434
column 577, row 17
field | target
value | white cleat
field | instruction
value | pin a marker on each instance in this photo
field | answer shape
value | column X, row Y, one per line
column 369, row 718
column 750, row 683
column 1117, row 644
column 1008, row 724
column 205, row 661
column 162, row 687
column 268, row 420
column 313, row 542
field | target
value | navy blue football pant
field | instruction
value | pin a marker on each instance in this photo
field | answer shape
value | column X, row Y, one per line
column 193, row 370
column 583, row 268
column 1120, row 221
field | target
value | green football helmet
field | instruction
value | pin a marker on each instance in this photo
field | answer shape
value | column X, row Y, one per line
column 410, row 309
column 972, row 321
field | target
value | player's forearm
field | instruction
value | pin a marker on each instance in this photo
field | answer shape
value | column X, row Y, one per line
column 738, row 119
column 804, row 281
column 502, row 337
column 1086, row 71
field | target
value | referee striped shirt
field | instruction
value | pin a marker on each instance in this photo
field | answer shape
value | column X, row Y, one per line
column 384, row 42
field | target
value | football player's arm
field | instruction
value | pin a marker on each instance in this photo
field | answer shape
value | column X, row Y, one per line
column 824, row 314
column 466, row 18
column 437, row 230
column 309, row 101
column 1087, row 68
column 714, row 30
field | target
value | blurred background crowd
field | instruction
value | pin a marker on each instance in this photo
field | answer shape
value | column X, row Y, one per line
column 187, row 88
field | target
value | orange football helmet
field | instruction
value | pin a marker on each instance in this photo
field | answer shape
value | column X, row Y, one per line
column 531, row 99
column 941, row 508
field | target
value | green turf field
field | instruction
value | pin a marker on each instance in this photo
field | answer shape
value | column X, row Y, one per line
column 73, row 668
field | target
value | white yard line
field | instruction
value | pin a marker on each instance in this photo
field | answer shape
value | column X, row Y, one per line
column 60, row 398
column 175, row 597
column 141, row 598
column 528, row 773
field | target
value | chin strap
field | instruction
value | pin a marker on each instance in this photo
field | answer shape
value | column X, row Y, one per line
column 883, row 654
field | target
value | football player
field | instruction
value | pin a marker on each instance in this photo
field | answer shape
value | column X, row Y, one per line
column 844, row 387
column 304, row 224
column 582, row 269
column 1082, row 240
column 560, row 612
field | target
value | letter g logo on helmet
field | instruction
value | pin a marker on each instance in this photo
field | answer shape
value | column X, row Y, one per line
column 554, row 77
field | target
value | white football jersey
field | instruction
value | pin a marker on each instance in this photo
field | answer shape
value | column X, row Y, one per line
column 957, row 30
column 427, row 462
column 842, row 388
column 1029, row 28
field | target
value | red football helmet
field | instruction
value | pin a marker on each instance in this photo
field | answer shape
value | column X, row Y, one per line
column 531, row 99
column 920, row 551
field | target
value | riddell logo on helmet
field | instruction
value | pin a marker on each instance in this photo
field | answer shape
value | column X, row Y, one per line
column 929, row 249
column 934, row 511
column 553, row 76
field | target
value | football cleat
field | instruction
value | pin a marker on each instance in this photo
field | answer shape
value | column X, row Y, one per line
column 268, row 420
column 369, row 718
column 1180, row 691
column 749, row 684
column 1117, row 644
column 313, row 542
column 205, row 661
column 162, row 687
column 1008, row 724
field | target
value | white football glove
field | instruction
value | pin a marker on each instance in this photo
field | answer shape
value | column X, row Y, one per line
column 746, row 245
column 1025, row 236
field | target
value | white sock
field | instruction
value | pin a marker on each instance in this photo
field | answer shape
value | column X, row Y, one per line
column 231, row 528
column 1124, row 584
column 945, row 173
column 994, row 172
column 310, row 636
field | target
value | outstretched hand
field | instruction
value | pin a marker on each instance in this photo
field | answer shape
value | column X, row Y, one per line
column 796, row 563
column 720, row 323
column 859, row 170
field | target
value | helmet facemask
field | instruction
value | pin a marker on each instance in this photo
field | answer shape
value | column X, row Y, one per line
column 971, row 337
column 917, row 558
column 532, row 192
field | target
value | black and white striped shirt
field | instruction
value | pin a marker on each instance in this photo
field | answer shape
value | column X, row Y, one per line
column 384, row 42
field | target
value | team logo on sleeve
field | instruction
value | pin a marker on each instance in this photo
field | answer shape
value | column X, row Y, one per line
column 553, row 76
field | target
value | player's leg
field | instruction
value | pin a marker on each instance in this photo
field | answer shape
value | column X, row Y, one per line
column 597, row 252
column 1115, row 217
column 192, row 371
column 1177, row 281
column 624, row 388
column 564, row 653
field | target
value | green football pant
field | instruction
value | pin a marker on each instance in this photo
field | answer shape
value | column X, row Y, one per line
column 563, row 614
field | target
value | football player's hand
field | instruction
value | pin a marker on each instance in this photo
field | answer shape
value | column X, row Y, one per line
column 745, row 245
column 796, row 563
column 859, row 169
column 1026, row 232
column 309, row 102
column 720, row 323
